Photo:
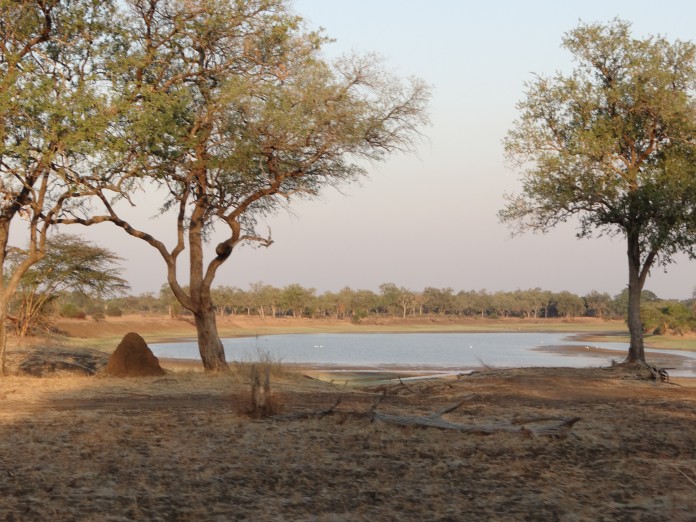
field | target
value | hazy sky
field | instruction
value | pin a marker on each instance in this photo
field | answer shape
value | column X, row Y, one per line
column 429, row 219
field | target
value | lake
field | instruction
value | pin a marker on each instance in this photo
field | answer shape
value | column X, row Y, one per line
column 447, row 352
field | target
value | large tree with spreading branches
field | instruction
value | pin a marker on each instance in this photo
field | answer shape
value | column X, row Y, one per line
column 51, row 113
column 613, row 145
column 232, row 111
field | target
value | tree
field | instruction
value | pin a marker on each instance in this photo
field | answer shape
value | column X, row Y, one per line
column 613, row 145
column 598, row 304
column 439, row 301
column 502, row 303
column 168, row 300
column 70, row 263
column 51, row 115
column 397, row 299
column 568, row 304
column 533, row 301
column 620, row 302
column 266, row 298
column 297, row 299
column 474, row 303
column 227, row 299
column 231, row 109
column 362, row 302
column 330, row 304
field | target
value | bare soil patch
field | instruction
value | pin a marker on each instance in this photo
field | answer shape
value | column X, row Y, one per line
column 177, row 447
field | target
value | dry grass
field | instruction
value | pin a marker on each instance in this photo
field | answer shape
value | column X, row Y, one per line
column 263, row 362
column 176, row 448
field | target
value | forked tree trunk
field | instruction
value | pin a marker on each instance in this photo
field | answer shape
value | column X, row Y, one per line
column 209, row 344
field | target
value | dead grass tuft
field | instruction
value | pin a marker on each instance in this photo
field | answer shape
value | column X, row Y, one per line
column 263, row 402
column 264, row 361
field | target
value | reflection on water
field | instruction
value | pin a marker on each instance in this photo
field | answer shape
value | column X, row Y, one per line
column 451, row 351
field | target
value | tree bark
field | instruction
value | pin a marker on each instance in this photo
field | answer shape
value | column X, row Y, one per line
column 3, row 334
column 4, row 239
column 636, row 350
column 209, row 344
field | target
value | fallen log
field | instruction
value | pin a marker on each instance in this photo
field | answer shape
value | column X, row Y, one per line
column 555, row 427
column 552, row 427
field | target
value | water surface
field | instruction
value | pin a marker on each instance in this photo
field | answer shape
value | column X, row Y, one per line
column 454, row 351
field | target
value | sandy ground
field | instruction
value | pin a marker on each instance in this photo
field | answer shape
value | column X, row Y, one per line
column 183, row 447
column 180, row 447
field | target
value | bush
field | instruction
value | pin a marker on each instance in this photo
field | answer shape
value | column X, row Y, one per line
column 67, row 310
column 262, row 402
column 71, row 311
column 358, row 316
column 113, row 311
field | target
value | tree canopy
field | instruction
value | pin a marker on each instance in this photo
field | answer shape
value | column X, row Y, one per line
column 232, row 110
column 51, row 113
column 70, row 263
column 612, row 144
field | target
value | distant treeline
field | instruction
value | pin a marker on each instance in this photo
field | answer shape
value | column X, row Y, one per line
column 294, row 300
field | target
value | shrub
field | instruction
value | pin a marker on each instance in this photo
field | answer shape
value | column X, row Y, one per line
column 113, row 311
column 71, row 311
column 262, row 402
column 358, row 316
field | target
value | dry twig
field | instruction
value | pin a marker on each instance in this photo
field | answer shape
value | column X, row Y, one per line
column 687, row 477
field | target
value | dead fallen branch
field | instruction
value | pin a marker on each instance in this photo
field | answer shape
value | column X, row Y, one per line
column 556, row 427
column 309, row 414
column 687, row 477
column 551, row 427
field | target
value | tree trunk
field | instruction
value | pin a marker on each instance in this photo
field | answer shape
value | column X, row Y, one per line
column 4, row 239
column 209, row 344
column 3, row 335
column 636, row 351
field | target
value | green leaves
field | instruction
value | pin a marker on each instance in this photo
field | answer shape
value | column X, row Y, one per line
column 233, row 107
column 70, row 264
column 73, row 263
column 612, row 143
